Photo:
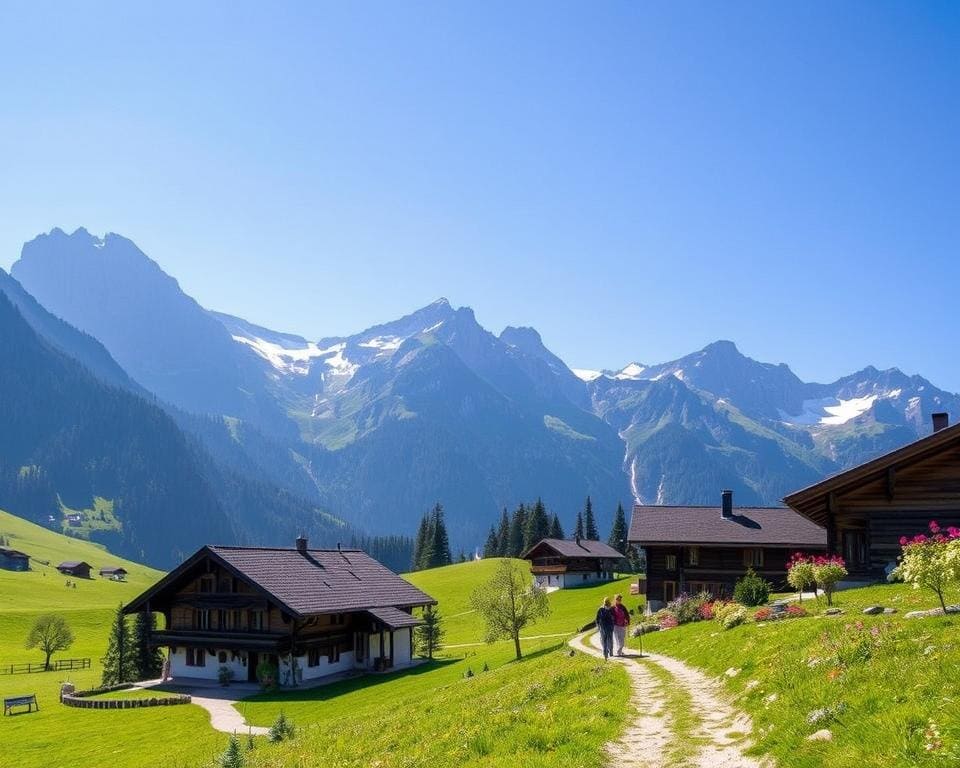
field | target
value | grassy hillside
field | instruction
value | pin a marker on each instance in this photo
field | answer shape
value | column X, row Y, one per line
column 549, row 709
column 883, row 685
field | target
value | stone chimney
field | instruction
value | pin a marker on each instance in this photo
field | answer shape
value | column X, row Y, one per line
column 941, row 421
column 302, row 544
column 726, row 504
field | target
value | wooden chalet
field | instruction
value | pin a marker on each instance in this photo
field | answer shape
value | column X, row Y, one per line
column 868, row 508
column 560, row 563
column 308, row 612
column 76, row 568
column 116, row 572
column 706, row 549
column 14, row 560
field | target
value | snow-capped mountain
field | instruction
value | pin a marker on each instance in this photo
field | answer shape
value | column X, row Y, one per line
column 379, row 425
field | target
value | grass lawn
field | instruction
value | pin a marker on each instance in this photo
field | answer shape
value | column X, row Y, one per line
column 876, row 682
column 549, row 709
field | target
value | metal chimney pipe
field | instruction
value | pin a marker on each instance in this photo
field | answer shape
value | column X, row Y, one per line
column 302, row 544
column 726, row 504
column 941, row 421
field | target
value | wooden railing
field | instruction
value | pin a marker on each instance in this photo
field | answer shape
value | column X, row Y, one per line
column 60, row 665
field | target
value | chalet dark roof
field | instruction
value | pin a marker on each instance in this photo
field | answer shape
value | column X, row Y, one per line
column 72, row 564
column 394, row 618
column 749, row 526
column 113, row 569
column 576, row 548
column 305, row 583
column 812, row 501
column 14, row 553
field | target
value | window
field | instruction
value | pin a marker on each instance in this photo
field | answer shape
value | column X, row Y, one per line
column 693, row 555
column 196, row 657
column 207, row 584
column 313, row 657
column 258, row 620
column 669, row 591
column 753, row 558
column 333, row 653
column 222, row 657
column 202, row 619
column 670, row 562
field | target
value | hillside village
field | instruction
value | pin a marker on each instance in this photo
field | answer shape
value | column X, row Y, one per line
column 314, row 637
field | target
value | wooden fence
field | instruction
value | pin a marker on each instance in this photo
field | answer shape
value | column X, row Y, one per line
column 60, row 665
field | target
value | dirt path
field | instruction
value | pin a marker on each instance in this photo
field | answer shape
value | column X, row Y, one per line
column 682, row 716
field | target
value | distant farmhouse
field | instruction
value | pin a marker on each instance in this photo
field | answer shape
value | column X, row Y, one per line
column 697, row 549
column 76, row 568
column 306, row 612
column 14, row 560
column 115, row 572
column 868, row 508
column 559, row 563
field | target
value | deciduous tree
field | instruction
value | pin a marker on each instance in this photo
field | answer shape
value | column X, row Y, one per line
column 50, row 633
column 508, row 603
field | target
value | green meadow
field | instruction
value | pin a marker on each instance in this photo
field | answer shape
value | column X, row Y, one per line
column 887, row 688
column 548, row 709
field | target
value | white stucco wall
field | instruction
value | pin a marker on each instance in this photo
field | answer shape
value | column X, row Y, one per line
column 211, row 670
column 325, row 667
column 401, row 650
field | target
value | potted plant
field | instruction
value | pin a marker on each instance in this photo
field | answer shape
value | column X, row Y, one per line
column 224, row 675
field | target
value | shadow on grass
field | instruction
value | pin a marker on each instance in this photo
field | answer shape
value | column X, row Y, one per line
column 359, row 683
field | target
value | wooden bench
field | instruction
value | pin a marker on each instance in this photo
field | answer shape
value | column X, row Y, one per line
column 30, row 702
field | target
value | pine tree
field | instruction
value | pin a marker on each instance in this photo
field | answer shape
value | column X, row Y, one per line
column 537, row 525
column 517, row 529
column 618, row 532
column 578, row 531
column 420, row 545
column 503, row 535
column 556, row 530
column 440, row 551
column 491, row 546
column 429, row 635
column 232, row 757
column 147, row 661
column 462, row 557
column 118, row 663
column 589, row 523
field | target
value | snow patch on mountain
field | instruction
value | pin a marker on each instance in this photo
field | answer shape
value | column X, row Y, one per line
column 383, row 343
column 632, row 372
column 585, row 374
column 284, row 359
column 830, row 411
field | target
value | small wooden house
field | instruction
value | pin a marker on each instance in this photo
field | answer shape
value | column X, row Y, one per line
column 707, row 549
column 76, row 568
column 14, row 560
column 868, row 508
column 559, row 563
column 306, row 613
column 115, row 572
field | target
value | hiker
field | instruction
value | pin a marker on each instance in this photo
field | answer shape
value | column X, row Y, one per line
column 605, row 625
column 621, row 620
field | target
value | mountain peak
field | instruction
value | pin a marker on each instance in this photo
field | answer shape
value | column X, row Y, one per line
column 521, row 336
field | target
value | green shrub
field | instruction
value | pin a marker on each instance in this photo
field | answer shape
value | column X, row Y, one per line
column 232, row 757
column 729, row 615
column 687, row 608
column 281, row 729
column 267, row 674
column 751, row 590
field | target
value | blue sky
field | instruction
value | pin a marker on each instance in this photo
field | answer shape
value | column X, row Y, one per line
column 633, row 180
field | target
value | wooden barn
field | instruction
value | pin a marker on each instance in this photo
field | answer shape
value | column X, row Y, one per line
column 706, row 549
column 868, row 508
column 115, row 572
column 76, row 568
column 306, row 612
column 560, row 563
column 14, row 560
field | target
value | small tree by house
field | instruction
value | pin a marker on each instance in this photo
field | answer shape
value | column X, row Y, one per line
column 800, row 573
column 232, row 756
column 931, row 562
column 147, row 661
column 589, row 522
column 118, row 663
column 50, row 633
column 751, row 589
column 828, row 571
column 508, row 603
column 429, row 635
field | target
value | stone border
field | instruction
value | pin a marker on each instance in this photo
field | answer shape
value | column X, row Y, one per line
column 82, row 700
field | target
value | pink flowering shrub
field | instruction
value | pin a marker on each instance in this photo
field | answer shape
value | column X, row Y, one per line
column 931, row 562
column 828, row 570
column 796, row 611
column 667, row 620
column 800, row 572
column 763, row 614
column 706, row 611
